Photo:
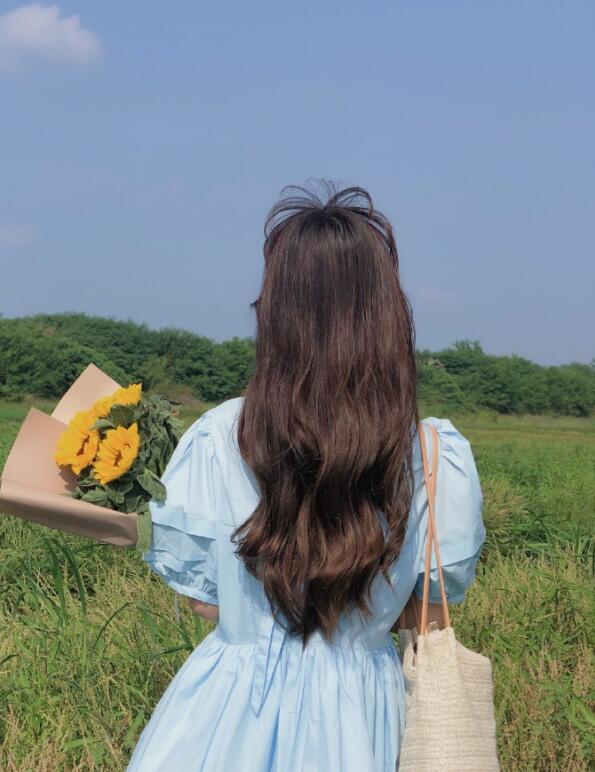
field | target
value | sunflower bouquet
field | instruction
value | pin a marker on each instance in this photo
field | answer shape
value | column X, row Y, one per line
column 93, row 466
column 118, row 450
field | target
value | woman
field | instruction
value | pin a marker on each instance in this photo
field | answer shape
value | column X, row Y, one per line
column 296, row 516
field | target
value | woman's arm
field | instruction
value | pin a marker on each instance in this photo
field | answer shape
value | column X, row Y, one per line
column 412, row 613
column 204, row 610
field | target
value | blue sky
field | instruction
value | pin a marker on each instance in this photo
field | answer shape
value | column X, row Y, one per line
column 143, row 144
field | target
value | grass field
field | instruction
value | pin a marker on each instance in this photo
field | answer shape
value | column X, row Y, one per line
column 89, row 639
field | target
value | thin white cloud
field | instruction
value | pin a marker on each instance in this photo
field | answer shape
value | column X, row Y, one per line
column 17, row 234
column 39, row 32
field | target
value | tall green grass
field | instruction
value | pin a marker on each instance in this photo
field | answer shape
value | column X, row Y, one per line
column 89, row 639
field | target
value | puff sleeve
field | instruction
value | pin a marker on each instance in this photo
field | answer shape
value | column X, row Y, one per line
column 459, row 515
column 183, row 542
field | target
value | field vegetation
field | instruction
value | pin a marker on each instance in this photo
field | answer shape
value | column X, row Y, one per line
column 43, row 354
column 90, row 639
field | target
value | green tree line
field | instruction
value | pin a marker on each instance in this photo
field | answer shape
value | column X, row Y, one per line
column 41, row 355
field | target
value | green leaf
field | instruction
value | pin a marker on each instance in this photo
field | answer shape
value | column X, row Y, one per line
column 96, row 496
column 133, row 503
column 144, row 528
column 125, row 486
column 130, row 737
column 149, row 481
column 122, row 415
column 115, row 494
column 103, row 423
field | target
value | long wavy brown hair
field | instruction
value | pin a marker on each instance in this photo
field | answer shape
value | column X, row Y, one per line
column 330, row 412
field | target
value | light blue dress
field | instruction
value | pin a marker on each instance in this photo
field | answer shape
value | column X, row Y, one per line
column 249, row 698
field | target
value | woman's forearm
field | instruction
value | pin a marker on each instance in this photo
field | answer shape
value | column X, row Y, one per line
column 412, row 613
column 205, row 610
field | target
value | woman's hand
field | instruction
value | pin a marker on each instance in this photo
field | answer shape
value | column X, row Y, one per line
column 204, row 610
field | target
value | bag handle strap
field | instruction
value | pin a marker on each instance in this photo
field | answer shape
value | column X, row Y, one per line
column 432, row 537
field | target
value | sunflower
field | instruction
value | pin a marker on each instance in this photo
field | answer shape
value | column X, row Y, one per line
column 123, row 396
column 78, row 444
column 102, row 406
column 116, row 453
column 128, row 396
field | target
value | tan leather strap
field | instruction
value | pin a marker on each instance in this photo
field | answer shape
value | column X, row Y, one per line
column 431, row 481
column 432, row 537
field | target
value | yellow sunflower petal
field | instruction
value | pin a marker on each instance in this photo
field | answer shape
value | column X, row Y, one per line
column 78, row 444
column 102, row 406
column 116, row 453
column 130, row 395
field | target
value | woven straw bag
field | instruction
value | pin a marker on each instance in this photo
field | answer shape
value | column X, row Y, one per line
column 449, row 720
